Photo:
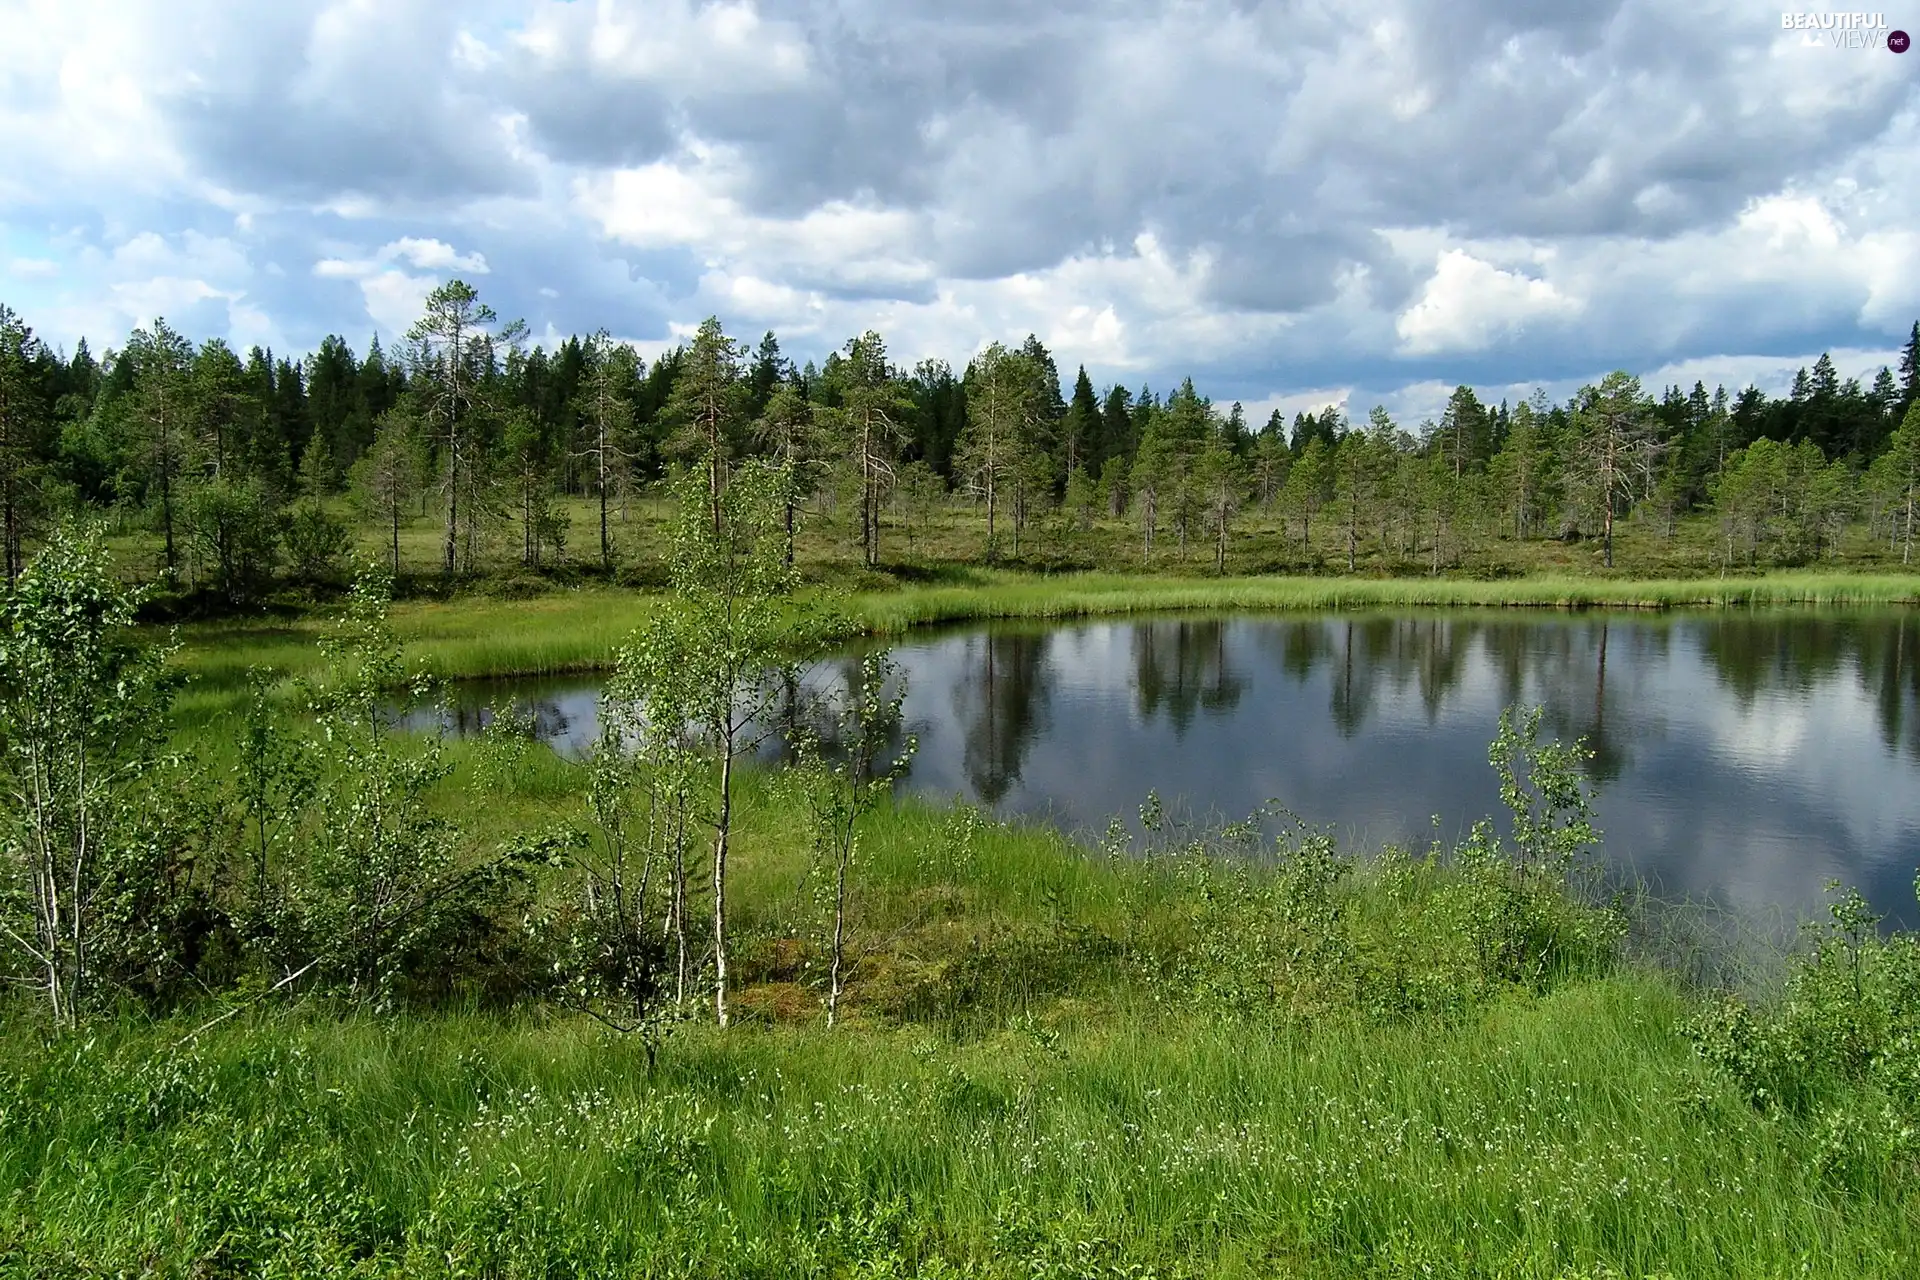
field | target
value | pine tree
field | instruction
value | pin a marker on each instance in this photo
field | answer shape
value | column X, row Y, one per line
column 1306, row 484
column 1221, row 478
column 24, row 419
column 765, row 375
column 1080, row 428
column 162, row 360
column 1617, row 447
column 1001, row 423
column 1116, row 446
column 390, row 473
column 1463, row 437
column 1358, row 465
column 872, row 422
column 1895, row 476
column 785, row 430
column 1520, row 467
column 1909, row 373
column 707, row 407
column 451, row 353
column 604, row 407
column 1148, row 479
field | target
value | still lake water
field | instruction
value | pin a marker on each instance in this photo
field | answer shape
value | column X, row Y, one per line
column 1741, row 758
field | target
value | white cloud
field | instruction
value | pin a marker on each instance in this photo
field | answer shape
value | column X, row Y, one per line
column 693, row 203
column 1470, row 304
column 1313, row 400
column 689, row 46
column 434, row 255
column 1290, row 204
column 395, row 298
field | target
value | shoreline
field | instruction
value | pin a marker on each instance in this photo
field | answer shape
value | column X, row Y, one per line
column 572, row 631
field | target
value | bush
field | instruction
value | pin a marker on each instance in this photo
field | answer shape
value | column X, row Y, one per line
column 1846, row 1026
column 233, row 531
column 317, row 542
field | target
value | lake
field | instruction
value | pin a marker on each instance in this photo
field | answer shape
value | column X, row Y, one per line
column 1740, row 758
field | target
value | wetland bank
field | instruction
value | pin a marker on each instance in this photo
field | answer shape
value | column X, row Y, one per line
column 1196, row 1051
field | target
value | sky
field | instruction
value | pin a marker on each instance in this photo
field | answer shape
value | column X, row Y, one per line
column 1295, row 203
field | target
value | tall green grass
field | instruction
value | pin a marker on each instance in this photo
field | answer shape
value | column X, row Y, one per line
column 1092, row 594
column 1030, row 1082
column 1574, row 1135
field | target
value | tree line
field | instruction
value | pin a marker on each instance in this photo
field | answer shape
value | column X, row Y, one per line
column 239, row 463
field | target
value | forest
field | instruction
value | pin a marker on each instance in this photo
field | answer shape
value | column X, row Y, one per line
column 464, row 450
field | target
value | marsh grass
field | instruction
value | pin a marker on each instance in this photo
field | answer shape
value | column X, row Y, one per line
column 1568, row 1135
column 578, row 629
column 1059, row 1061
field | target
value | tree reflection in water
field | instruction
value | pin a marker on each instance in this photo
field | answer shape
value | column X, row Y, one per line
column 1181, row 668
column 1001, row 707
column 1749, row 755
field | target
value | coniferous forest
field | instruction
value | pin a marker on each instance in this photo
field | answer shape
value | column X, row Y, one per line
column 464, row 450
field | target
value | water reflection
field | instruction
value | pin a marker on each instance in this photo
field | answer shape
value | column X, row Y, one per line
column 1000, row 703
column 1181, row 668
column 1745, row 758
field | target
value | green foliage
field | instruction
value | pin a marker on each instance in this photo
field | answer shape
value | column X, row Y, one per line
column 1840, row 1044
column 619, row 942
column 1786, row 500
column 714, row 654
column 1569, row 1136
column 317, row 542
column 1311, row 933
column 843, row 776
column 355, row 879
column 233, row 534
column 94, row 878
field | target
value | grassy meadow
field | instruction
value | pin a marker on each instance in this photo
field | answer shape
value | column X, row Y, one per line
column 1056, row 1062
column 1200, row 1054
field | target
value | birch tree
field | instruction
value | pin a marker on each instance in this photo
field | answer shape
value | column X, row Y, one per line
column 82, row 716
column 842, row 782
column 710, row 659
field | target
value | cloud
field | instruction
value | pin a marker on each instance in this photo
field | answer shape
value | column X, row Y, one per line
column 1470, row 304
column 396, row 298
column 1279, row 199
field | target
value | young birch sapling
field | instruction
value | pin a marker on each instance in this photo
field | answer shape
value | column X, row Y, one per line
column 844, row 776
column 711, row 661
column 82, row 720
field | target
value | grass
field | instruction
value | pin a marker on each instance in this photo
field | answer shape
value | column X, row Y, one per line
column 1568, row 1136
column 1092, row 594
column 1053, row 1064
column 1027, row 1086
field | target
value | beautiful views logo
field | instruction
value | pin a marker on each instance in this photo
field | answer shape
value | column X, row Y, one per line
column 1846, row 31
